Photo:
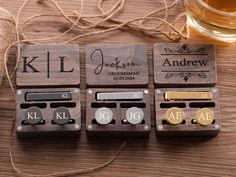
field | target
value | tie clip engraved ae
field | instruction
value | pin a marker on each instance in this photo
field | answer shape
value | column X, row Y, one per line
column 172, row 95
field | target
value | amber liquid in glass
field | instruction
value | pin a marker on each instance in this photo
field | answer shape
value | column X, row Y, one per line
column 222, row 5
column 219, row 23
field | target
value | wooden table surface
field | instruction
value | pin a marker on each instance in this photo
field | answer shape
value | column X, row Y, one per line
column 177, row 156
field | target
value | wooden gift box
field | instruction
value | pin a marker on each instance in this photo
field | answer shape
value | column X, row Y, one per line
column 46, row 75
column 119, row 71
column 188, row 68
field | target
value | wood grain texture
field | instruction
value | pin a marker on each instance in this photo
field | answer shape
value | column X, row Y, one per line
column 177, row 157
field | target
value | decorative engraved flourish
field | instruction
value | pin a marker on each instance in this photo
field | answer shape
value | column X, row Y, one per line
column 185, row 75
column 184, row 50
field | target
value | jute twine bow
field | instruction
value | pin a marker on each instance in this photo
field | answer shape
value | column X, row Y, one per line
column 85, row 25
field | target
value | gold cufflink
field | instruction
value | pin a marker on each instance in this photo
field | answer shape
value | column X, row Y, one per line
column 204, row 116
column 174, row 116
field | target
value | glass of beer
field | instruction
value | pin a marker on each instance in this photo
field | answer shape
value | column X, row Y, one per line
column 214, row 18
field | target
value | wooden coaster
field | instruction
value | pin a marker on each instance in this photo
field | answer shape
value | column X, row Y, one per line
column 116, row 65
column 196, row 113
column 48, row 111
column 185, row 65
column 118, row 112
column 48, row 65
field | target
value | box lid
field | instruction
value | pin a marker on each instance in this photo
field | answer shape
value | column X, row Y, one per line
column 116, row 65
column 48, row 65
column 177, row 64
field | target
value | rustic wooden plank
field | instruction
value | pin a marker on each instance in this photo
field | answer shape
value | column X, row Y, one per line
column 154, row 157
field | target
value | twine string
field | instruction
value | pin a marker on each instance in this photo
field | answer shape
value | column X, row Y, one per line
column 7, row 23
column 118, row 24
column 46, row 39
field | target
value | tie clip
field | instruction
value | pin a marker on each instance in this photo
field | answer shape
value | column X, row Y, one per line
column 169, row 95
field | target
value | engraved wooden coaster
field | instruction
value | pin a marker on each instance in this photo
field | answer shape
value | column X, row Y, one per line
column 118, row 112
column 54, row 111
column 190, row 110
column 185, row 65
column 48, row 65
column 116, row 65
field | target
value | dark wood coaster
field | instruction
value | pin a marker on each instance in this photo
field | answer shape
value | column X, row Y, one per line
column 185, row 65
column 54, row 111
column 189, row 107
column 116, row 65
column 115, row 105
column 48, row 65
